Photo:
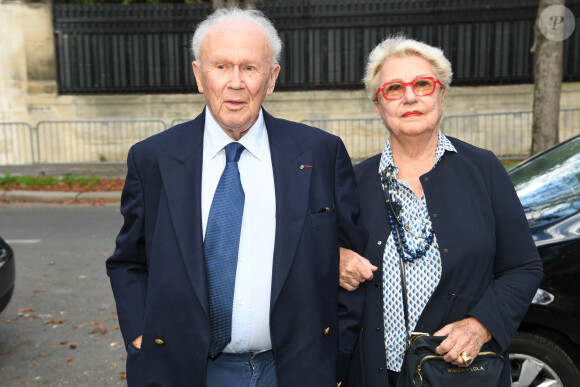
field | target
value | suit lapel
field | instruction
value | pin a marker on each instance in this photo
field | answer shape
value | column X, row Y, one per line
column 181, row 174
column 292, row 187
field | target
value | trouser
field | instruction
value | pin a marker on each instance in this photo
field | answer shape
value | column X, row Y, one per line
column 251, row 369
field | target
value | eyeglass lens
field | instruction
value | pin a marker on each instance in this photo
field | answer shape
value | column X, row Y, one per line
column 420, row 87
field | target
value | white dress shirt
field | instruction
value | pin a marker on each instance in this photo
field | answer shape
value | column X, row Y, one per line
column 251, row 309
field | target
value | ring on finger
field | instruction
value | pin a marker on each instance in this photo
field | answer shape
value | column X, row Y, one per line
column 466, row 358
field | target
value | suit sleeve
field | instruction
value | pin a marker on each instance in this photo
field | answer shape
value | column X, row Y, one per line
column 127, row 267
column 517, row 265
column 352, row 236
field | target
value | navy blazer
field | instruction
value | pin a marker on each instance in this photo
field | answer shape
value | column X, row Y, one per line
column 490, row 266
column 157, row 270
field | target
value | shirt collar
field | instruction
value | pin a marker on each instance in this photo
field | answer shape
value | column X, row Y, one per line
column 443, row 145
column 215, row 138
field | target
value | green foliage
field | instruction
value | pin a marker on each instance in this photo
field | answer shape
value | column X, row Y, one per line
column 42, row 181
column 7, row 179
column 71, row 179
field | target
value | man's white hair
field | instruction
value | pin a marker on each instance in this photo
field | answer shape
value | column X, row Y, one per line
column 399, row 46
column 251, row 15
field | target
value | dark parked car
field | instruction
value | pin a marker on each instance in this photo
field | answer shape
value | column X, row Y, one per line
column 546, row 349
column 7, row 274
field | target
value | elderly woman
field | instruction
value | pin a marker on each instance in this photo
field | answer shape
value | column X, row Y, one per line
column 471, row 266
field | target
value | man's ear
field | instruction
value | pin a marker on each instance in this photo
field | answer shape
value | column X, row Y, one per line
column 272, row 81
column 197, row 73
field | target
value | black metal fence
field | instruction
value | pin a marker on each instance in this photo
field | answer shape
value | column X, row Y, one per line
column 109, row 48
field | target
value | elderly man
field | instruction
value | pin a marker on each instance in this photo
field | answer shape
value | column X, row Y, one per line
column 226, row 268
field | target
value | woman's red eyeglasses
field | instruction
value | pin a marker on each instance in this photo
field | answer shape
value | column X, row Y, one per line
column 422, row 87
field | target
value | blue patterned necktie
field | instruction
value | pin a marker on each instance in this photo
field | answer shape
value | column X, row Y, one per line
column 222, row 241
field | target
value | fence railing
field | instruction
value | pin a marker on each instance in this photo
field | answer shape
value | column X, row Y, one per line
column 507, row 134
column 17, row 143
column 363, row 137
column 91, row 141
column 115, row 48
column 62, row 142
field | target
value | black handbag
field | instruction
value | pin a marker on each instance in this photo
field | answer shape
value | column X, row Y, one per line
column 425, row 367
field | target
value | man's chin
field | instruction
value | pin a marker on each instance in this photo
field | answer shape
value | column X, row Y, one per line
column 236, row 130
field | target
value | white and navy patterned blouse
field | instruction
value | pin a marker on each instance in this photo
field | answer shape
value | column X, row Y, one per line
column 422, row 275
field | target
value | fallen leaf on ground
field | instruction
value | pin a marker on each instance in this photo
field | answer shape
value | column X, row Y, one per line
column 53, row 321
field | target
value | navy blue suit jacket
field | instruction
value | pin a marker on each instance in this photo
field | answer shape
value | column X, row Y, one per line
column 157, row 270
column 490, row 266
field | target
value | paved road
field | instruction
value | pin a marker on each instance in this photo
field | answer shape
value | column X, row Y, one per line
column 60, row 328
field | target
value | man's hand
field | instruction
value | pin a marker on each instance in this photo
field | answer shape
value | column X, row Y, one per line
column 137, row 342
column 467, row 335
column 354, row 269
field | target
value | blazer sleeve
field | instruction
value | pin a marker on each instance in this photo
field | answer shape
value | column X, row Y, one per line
column 352, row 236
column 127, row 267
column 517, row 267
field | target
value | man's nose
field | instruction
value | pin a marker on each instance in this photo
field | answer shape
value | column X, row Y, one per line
column 236, row 80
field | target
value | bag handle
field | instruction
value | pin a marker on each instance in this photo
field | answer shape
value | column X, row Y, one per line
column 385, row 182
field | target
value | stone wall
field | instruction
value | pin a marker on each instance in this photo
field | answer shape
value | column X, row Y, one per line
column 295, row 106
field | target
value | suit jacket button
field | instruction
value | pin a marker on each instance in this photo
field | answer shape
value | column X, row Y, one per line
column 380, row 370
column 159, row 342
column 326, row 331
column 377, row 330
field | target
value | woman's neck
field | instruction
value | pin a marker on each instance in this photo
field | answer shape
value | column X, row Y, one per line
column 414, row 150
column 414, row 157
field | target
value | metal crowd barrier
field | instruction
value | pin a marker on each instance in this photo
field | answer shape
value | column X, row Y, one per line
column 363, row 137
column 507, row 134
column 91, row 141
column 17, row 144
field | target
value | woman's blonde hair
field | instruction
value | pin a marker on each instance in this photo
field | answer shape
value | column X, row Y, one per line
column 397, row 46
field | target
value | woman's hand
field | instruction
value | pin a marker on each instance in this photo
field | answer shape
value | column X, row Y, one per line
column 466, row 337
column 354, row 269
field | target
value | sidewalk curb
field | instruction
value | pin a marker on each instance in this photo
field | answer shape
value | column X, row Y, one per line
column 58, row 196
column 94, row 195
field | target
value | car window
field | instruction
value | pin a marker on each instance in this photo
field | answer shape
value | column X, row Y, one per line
column 549, row 185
